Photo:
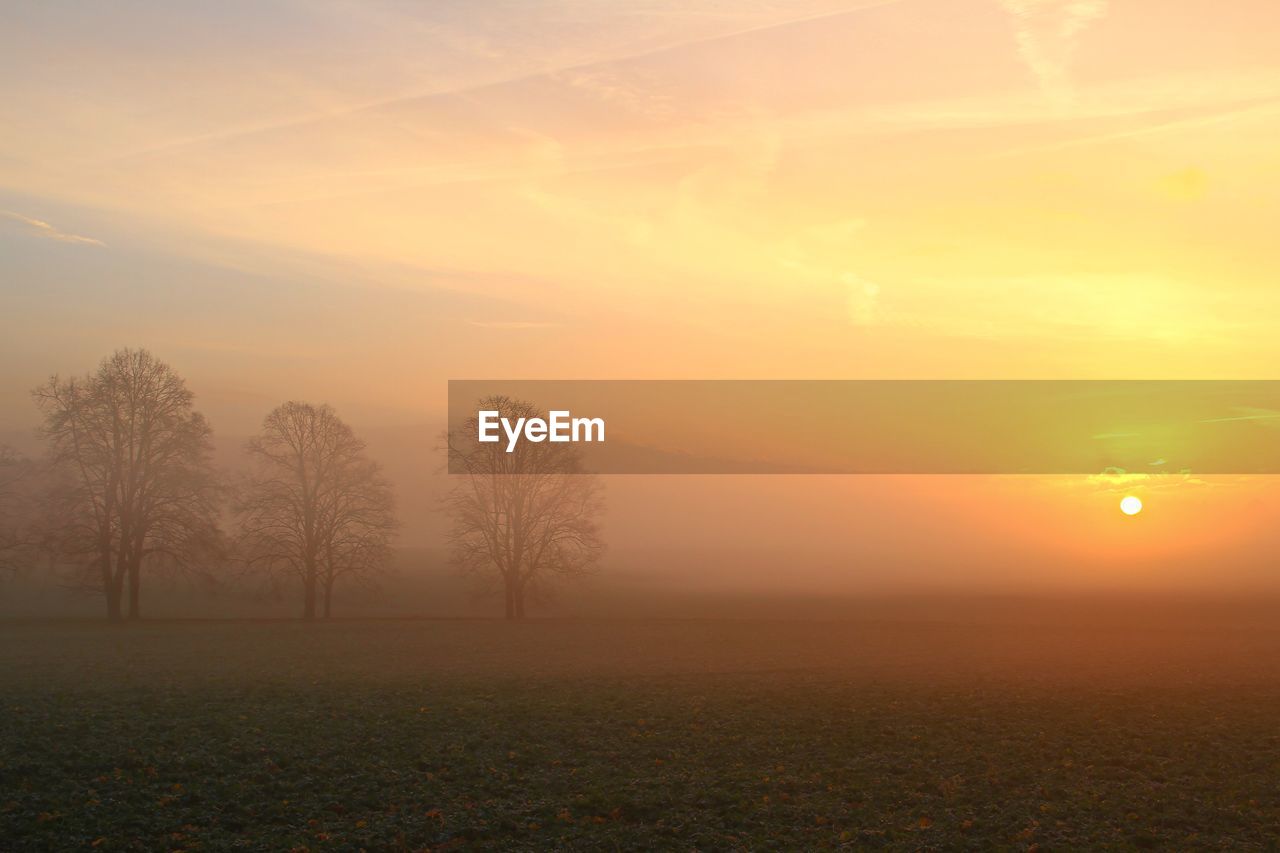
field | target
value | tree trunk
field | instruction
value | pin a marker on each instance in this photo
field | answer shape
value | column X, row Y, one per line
column 109, row 587
column 328, row 597
column 113, row 602
column 510, row 590
column 135, row 592
column 309, row 583
column 519, row 603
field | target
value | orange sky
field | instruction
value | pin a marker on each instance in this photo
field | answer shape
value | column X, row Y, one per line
column 357, row 201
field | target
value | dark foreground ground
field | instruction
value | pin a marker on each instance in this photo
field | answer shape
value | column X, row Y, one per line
column 905, row 734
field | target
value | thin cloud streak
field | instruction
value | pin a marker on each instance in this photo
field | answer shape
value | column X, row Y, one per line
column 1046, row 34
column 292, row 122
column 1263, row 107
column 40, row 228
column 512, row 324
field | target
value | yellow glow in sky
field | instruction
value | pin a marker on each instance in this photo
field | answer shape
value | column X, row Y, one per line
column 913, row 188
column 354, row 202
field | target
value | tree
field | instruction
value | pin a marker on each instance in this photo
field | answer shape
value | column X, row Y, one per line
column 136, row 487
column 16, row 474
column 523, row 519
column 316, row 509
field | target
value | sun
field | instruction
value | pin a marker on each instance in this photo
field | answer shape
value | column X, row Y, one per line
column 1130, row 505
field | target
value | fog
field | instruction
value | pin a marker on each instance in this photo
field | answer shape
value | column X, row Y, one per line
column 779, row 545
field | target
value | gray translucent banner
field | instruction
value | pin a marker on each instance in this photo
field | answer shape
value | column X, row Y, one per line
column 895, row 427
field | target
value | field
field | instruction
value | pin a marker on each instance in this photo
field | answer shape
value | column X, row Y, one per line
column 1014, row 733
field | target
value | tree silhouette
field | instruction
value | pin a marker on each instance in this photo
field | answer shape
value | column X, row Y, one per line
column 16, row 474
column 523, row 519
column 135, row 486
column 316, row 509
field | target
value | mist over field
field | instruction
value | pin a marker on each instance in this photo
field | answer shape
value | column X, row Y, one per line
column 248, row 250
column 693, row 545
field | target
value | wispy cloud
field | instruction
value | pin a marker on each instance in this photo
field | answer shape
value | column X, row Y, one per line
column 862, row 298
column 512, row 324
column 1249, row 414
column 1046, row 32
column 1261, row 109
column 1118, row 479
column 598, row 73
column 40, row 228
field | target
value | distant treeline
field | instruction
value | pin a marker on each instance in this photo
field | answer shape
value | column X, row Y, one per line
column 127, row 489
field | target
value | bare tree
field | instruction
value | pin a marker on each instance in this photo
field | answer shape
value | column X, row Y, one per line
column 16, row 474
column 523, row 519
column 136, row 486
column 316, row 508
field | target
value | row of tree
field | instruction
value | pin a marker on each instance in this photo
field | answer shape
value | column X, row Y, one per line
column 128, row 488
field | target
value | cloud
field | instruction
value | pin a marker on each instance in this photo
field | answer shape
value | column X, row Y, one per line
column 1046, row 33
column 1247, row 413
column 578, row 61
column 40, row 228
column 512, row 324
column 1118, row 479
column 625, row 88
column 862, row 299
column 1263, row 108
column 1184, row 185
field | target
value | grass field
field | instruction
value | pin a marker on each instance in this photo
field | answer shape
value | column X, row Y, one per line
column 902, row 734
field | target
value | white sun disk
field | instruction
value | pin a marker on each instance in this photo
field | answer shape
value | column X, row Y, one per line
column 1131, row 505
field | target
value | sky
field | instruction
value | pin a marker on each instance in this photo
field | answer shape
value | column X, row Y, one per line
column 357, row 201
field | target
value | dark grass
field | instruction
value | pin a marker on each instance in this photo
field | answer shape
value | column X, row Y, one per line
column 416, row 735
